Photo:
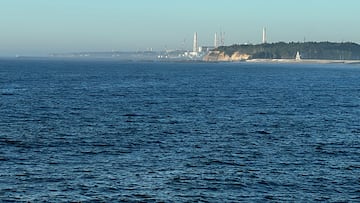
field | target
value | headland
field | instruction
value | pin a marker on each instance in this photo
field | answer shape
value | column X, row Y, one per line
column 306, row 52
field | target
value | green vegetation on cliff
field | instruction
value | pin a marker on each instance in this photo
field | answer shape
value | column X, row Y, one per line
column 308, row 50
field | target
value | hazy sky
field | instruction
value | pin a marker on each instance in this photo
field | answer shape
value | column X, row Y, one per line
column 39, row 27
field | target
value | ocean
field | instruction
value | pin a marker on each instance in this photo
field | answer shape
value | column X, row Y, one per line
column 112, row 131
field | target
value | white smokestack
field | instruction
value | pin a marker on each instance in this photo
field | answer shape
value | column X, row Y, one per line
column 195, row 46
column 264, row 36
column 216, row 41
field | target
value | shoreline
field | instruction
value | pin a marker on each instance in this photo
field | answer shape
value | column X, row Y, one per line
column 304, row 61
column 270, row 61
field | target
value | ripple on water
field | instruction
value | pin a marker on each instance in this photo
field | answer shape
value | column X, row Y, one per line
column 183, row 132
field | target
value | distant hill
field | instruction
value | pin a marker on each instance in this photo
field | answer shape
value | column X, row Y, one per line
column 307, row 50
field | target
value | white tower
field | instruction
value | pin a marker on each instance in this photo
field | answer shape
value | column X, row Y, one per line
column 216, row 41
column 264, row 36
column 195, row 45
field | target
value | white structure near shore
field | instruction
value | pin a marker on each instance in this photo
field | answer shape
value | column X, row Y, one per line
column 298, row 56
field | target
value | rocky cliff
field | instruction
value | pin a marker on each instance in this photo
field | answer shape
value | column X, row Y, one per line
column 221, row 56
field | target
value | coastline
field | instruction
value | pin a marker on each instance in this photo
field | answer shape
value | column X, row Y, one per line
column 273, row 61
column 304, row 61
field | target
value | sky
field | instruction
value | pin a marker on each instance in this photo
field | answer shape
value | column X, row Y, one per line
column 41, row 27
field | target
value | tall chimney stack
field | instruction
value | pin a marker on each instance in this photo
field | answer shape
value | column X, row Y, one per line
column 195, row 45
column 264, row 36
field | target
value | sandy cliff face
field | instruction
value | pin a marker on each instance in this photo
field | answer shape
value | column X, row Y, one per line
column 221, row 56
column 239, row 57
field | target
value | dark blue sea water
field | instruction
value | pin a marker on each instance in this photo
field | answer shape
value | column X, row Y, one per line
column 108, row 131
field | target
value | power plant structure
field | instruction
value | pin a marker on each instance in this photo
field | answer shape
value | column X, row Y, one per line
column 222, row 38
column 216, row 41
column 219, row 40
column 197, row 51
column 195, row 45
column 264, row 36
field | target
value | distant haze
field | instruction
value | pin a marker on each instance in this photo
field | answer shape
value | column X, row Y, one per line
column 39, row 27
